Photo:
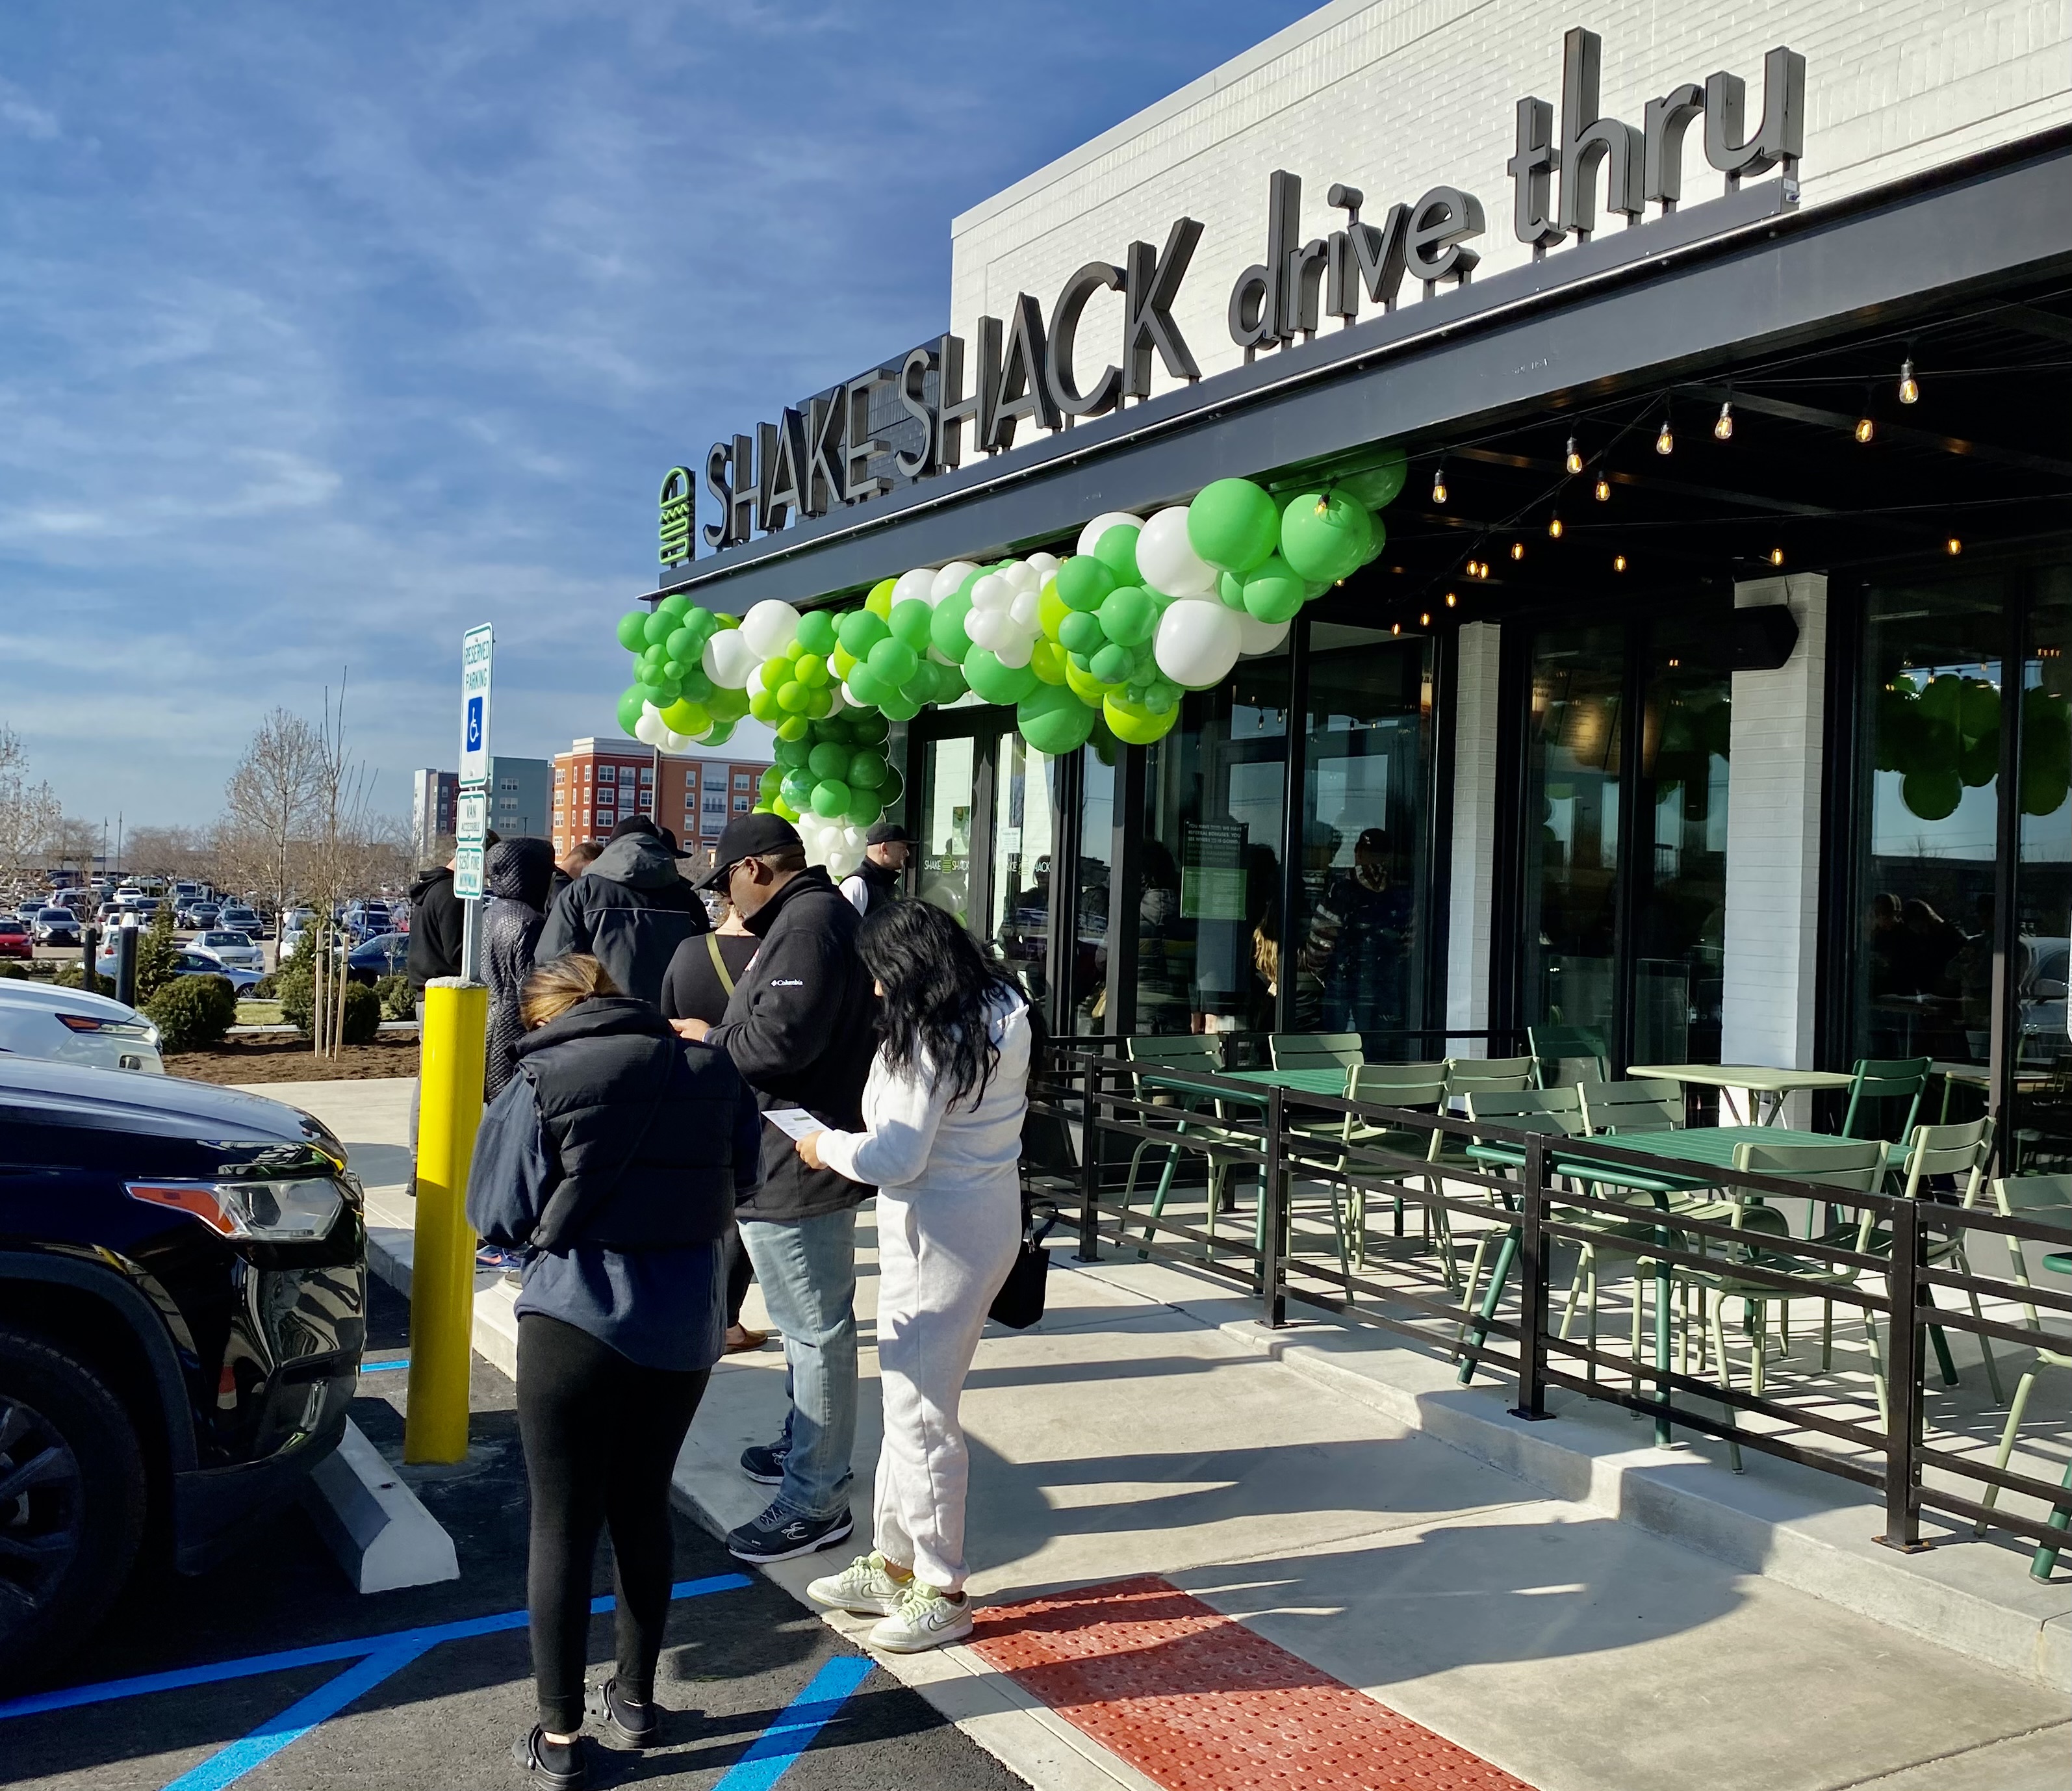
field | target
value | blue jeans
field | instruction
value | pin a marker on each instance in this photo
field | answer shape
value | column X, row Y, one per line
column 807, row 1268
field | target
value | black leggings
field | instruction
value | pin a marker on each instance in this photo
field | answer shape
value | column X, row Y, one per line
column 740, row 1271
column 601, row 1435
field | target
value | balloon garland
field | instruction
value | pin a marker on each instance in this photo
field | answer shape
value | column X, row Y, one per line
column 1942, row 737
column 1101, row 644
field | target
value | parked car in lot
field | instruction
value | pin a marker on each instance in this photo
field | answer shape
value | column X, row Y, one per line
column 200, row 915
column 27, row 912
column 16, row 940
column 182, row 1309
column 57, row 926
column 188, row 961
column 69, row 1026
column 240, row 919
column 385, row 954
column 234, row 948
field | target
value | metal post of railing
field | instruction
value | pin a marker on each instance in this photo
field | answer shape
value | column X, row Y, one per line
column 1272, row 1217
column 126, row 965
column 1532, row 1285
column 89, row 973
column 1090, row 1158
column 1906, row 1292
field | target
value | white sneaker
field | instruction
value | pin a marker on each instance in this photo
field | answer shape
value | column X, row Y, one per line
column 927, row 1617
column 864, row 1585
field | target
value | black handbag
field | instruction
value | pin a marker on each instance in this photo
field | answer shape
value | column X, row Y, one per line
column 1019, row 1303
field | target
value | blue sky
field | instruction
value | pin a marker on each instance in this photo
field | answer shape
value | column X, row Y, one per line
column 325, row 332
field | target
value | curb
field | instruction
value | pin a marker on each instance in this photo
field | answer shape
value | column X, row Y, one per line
column 382, row 1533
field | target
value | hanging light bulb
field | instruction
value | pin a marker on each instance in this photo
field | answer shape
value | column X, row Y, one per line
column 1425, row 620
column 1865, row 428
column 1451, row 599
column 1396, row 627
column 1574, row 460
column 1323, row 504
column 1554, row 527
column 1439, row 483
column 1618, row 562
column 1602, row 491
column 1777, row 556
column 1953, row 547
column 1517, row 550
column 1665, row 442
column 1723, row 430
column 1909, row 387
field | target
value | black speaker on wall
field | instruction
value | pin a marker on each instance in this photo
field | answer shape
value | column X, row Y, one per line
column 1762, row 640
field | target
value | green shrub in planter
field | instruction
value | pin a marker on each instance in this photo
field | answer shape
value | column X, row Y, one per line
column 296, row 987
column 399, row 998
column 267, row 988
column 193, row 1013
column 363, row 1016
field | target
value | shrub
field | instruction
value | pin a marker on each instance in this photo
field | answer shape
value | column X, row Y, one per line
column 155, row 954
column 399, row 998
column 193, row 1012
column 267, row 988
column 363, row 1016
column 70, row 976
column 297, row 987
column 14, row 972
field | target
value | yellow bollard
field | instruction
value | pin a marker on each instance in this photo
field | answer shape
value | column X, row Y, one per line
column 442, row 1268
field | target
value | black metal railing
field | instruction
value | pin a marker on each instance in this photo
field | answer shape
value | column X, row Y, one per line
column 1689, row 1236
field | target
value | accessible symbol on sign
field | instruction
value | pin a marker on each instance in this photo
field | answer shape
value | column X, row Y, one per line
column 472, row 828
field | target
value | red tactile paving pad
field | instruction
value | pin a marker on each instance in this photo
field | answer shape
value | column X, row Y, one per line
column 1198, row 1703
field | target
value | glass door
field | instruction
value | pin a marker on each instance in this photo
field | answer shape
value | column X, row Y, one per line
column 949, row 787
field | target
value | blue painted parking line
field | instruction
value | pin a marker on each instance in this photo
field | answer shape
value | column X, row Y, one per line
column 769, row 1756
column 383, row 1368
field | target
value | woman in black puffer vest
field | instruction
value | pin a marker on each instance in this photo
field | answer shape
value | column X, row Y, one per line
column 612, row 1160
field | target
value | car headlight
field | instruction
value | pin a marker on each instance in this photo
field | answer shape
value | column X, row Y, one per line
column 299, row 1211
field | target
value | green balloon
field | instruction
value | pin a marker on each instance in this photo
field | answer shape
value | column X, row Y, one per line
column 1082, row 633
column 720, row 734
column 630, row 705
column 686, row 716
column 830, row 797
column 1053, row 721
column 866, row 769
column 677, row 604
column 866, row 729
column 1112, row 665
column 1979, row 761
column 828, row 759
column 864, row 807
column 893, row 661
column 860, row 631
column 998, row 683
column 949, row 683
column 1127, row 616
column 1083, row 582
column 910, row 620
column 659, row 627
column 633, row 630
column 1377, row 487
column 1943, row 698
column 899, row 705
column 1116, row 549
column 796, row 788
column 1932, row 795
column 684, row 645
column 921, row 687
column 946, row 627
column 696, row 685
column 725, row 704
column 1274, row 591
column 1978, row 710
column 888, row 791
column 867, row 686
column 772, row 783
column 835, row 728
column 2043, row 788
column 1232, row 525
column 1230, row 587
column 816, row 633
column 1325, row 536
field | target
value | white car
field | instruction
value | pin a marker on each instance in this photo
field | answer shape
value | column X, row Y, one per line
column 233, row 947
column 68, row 1026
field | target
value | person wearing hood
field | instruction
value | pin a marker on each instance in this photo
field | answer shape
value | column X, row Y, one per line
column 801, row 1027
column 515, row 880
column 611, row 1161
column 629, row 910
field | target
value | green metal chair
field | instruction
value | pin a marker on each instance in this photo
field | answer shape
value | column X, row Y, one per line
column 2045, row 1200
column 1887, row 1079
column 1316, row 1050
column 1557, row 1111
column 1565, row 1056
column 1192, row 1052
column 1419, row 1087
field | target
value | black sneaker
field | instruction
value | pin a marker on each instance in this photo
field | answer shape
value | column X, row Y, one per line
column 780, row 1532
column 624, row 1722
column 763, row 1463
column 562, row 1767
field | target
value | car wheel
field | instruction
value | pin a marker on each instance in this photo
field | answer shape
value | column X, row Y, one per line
column 72, row 1501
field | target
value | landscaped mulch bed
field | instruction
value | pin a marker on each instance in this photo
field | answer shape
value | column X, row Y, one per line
column 290, row 1059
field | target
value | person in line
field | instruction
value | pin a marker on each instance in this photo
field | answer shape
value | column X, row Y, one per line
column 612, row 1159
column 437, row 928
column 514, row 882
column 941, row 1141
column 800, row 1027
column 699, row 983
column 572, row 863
column 629, row 910
column 875, row 882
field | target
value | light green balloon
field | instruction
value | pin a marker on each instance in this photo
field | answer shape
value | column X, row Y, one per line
column 831, row 797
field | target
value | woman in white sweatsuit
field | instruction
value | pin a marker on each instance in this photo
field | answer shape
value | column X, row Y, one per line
column 942, row 1141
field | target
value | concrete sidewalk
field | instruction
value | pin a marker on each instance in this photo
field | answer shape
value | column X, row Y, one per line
column 1512, row 1592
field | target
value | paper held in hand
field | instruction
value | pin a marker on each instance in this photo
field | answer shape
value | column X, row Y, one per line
column 793, row 1122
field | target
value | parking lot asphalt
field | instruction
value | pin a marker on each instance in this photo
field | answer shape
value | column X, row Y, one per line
column 441, row 1712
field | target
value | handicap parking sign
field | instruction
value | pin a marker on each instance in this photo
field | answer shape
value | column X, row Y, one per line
column 475, row 647
column 475, row 724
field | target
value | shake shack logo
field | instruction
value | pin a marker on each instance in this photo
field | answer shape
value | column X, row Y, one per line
column 922, row 413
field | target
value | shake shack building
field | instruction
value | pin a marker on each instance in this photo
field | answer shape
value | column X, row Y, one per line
column 1709, row 689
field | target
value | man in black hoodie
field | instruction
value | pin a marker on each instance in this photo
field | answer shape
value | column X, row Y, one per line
column 801, row 1027
column 435, row 924
column 629, row 910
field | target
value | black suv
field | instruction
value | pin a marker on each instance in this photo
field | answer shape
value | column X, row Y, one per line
column 182, row 1306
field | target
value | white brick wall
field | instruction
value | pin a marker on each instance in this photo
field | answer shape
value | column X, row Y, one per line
column 1396, row 95
column 1773, row 838
column 1474, row 832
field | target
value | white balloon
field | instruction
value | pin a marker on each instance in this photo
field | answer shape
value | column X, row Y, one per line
column 1023, row 576
column 770, row 627
column 1015, row 651
column 649, row 730
column 952, row 575
column 1027, row 607
column 1258, row 637
column 838, row 697
column 851, row 697
column 1168, row 560
column 992, row 591
column 917, row 583
column 1090, row 536
column 854, row 837
column 728, row 659
column 1043, row 565
column 1197, row 643
column 988, row 628
column 674, row 742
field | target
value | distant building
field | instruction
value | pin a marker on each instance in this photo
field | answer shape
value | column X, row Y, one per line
column 599, row 782
column 520, row 793
column 433, row 797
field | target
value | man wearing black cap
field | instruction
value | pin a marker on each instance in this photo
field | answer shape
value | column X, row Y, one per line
column 629, row 910
column 876, row 881
column 801, row 1028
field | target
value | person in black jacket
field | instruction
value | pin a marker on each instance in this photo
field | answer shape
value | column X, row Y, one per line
column 630, row 910
column 612, row 1159
column 801, row 1027
column 514, row 882
column 435, row 925
column 875, row 882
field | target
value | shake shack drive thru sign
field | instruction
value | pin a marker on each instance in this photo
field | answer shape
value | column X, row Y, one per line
column 918, row 415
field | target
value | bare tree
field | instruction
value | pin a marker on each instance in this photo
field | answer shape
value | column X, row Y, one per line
column 169, row 852
column 29, row 813
column 74, row 841
column 271, row 804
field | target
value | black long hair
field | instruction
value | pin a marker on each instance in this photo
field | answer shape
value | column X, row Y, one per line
column 938, row 987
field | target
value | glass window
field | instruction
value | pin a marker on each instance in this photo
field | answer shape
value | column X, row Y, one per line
column 943, row 876
column 1022, row 839
column 1090, row 992
column 2041, row 1141
column 1360, row 951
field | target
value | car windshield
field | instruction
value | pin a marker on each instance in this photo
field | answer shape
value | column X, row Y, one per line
column 12, row 926
column 56, row 914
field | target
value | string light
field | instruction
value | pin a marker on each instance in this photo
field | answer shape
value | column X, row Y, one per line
column 1439, row 483
column 1909, row 387
column 1424, row 619
column 1618, row 562
column 1777, row 556
column 1953, row 547
column 1602, row 492
column 1517, row 550
column 1323, row 504
column 1451, row 599
column 1666, row 441
column 1554, row 527
column 1865, row 429
column 1396, row 627
column 1574, row 462
column 1723, row 430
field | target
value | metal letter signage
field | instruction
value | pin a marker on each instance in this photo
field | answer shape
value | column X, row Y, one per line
column 838, row 448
